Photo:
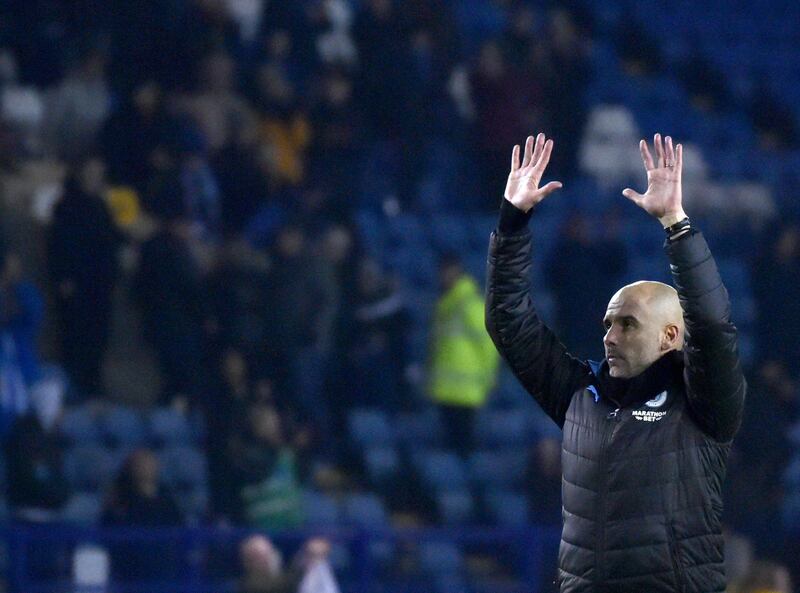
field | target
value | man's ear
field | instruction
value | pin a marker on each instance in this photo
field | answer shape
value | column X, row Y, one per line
column 670, row 338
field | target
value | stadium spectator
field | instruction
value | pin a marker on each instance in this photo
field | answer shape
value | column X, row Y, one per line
column 584, row 268
column 21, row 311
column 779, row 265
column 78, row 107
column 265, row 469
column 138, row 498
column 168, row 287
column 132, row 135
column 377, row 352
column 37, row 486
column 264, row 571
column 462, row 367
column 765, row 577
column 82, row 255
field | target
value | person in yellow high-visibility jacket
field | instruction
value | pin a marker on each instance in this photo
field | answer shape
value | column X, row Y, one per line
column 462, row 369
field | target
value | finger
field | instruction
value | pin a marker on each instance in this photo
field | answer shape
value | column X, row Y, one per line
column 669, row 154
column 545, row 158
column 549, row 188
column 515, row 158
column 526, row 160
column 646, row 156
column 659, row 150
column 538, row 147
column 679, row 158
column 633, row 196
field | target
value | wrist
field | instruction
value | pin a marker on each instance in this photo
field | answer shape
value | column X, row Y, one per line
column 671, row 218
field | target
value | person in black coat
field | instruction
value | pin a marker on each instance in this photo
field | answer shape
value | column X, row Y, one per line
column 82, row 256
column 139, row 499
column 646, row 431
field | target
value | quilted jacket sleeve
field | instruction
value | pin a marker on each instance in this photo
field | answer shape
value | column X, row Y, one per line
column 537, row 358
column 715, row 384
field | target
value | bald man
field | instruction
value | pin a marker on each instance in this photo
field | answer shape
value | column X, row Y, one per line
column 646, row 431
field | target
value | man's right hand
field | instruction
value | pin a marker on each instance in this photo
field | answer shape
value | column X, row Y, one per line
column 522, row 188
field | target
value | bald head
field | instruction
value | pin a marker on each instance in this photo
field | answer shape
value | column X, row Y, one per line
column 644, row 321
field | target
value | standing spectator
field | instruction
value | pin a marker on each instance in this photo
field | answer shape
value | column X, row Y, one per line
column 582, row 271
column 131, row 136
column 82, row 253
column 378, row 350
column 266, row 470
column 78, row 107
column 338, row 136
column 216, row 105
column 463, row 361
column 168, row 287
column 139, row 499
column 778, row 309
column 300, row 301
column 499, row 103
column 21, row 310
column 284, row 126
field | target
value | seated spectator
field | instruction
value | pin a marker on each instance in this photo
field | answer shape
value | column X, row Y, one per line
column 139, row 499
column 138, row 496
column 37, row 487
column 266, row 473
column 264, row 571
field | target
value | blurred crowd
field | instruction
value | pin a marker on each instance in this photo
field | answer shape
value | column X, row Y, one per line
column 200, row 166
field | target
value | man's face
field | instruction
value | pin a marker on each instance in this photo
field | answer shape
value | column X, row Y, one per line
column 633, row 334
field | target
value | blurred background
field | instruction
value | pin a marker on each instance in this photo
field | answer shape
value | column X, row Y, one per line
column 241, row 241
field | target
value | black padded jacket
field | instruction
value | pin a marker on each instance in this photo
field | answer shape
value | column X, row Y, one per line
column 643, row 459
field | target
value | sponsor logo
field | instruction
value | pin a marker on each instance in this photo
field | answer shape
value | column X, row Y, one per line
column 648, row 415
column 657, row 401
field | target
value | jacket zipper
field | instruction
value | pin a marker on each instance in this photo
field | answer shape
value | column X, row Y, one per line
column 601, row 536
column 676, row 561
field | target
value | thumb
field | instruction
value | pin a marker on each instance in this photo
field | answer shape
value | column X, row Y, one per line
column 550, row 188
column 633, row 196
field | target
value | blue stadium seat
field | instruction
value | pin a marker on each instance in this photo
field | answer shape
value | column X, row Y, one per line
column 449, row 233
column 456, row 507
column 89, row 467
column 381, row 463
column 184, row 468
column 420, row 429
column 168, row 427
column 370, row 427
column 320, row 509
column 507, row 508
column 441, row 470
column 440, row 558
column 498, row 468
column 84, row 508
column 123, row 427
column 365, row 510
column 80, row 426
column 503, row 427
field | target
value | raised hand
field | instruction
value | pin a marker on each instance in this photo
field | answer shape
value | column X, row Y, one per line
column 522, row 188
column 663, row 198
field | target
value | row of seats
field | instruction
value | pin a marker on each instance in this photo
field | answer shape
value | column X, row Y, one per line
column 124, row 427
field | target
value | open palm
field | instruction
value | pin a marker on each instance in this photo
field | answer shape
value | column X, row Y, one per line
column 663, row 198
column 522, row 187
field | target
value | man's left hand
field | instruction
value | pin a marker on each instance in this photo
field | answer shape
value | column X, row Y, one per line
column 663, row 197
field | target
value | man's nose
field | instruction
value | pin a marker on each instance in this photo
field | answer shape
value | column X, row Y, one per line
column 610, row 338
